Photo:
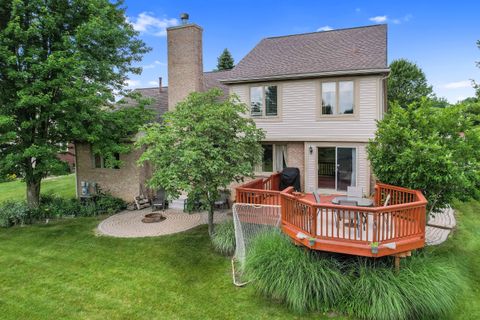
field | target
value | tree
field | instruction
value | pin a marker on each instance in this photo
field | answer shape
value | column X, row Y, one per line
column 406, row 83
column 476, row 85
column 427, row 148
column 202, row 146
column 225, row 61
column 60, row 64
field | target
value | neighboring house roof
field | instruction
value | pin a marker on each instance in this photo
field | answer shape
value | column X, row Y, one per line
column 160, row 98
column 343, row 51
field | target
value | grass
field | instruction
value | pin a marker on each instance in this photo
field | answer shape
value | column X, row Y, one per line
column 63, row 186
column 63, row 271
column 287, row 273
column 224, row 238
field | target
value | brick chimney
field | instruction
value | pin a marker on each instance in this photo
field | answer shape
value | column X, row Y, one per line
column 185, row 61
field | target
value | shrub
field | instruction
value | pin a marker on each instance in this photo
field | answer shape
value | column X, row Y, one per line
column 52, row 206
column 13, row 213
column 224, row 238
column 293, row 275
column 426, row 286
column 107, row 204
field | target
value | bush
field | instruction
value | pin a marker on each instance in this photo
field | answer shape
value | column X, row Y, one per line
column 426, row 286
column 107, row 204
column 13, row 213
column 293, row 275
column 224, row 238
column 52, row 206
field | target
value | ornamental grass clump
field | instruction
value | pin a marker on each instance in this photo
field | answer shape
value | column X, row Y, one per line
column 293, row 275
column 223, row 239
column 424, row 288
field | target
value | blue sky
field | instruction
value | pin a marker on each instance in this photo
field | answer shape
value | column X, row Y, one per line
column 440, row 36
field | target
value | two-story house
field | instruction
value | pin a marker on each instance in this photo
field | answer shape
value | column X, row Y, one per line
column 317, row 96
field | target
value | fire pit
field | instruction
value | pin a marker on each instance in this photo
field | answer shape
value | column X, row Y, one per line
column 153, row 217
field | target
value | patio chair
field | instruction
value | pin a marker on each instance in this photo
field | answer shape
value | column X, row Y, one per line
column 351, row 218
column 159, row 201
column 355, row 192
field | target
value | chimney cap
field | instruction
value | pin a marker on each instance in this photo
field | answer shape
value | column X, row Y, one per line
column 184, row 17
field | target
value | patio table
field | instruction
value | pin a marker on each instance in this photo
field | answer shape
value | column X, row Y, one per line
column 361, row 202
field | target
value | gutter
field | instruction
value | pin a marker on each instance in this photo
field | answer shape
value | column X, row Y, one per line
column 307, row 75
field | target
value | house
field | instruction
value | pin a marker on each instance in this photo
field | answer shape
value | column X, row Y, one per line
column 317, row 96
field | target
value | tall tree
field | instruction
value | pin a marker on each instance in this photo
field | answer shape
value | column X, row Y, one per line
column 225, row 61
column 61, row 61
column 407, row 83
column 428, row 148
column 475, row 84
column 202, row 146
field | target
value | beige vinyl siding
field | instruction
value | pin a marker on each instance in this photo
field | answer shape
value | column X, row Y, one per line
column 363, row 165
column 299, row 119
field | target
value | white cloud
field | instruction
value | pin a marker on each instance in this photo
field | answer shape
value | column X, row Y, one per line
column 379, row 19
column 153, row 83
column 132, row 83
column 325, row 28
column 458, row 84
column 154, row 65
column 385, row 18
column 146, row 22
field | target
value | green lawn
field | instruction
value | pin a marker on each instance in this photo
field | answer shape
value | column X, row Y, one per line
column 62, row 270
column 63, row 186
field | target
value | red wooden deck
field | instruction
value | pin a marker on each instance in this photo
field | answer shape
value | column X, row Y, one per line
column 398, row 227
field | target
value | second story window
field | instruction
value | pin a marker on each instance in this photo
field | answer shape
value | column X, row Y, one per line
column 263, row 101
column 338, row 97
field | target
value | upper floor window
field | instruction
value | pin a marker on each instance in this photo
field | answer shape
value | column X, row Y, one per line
column 263, row 101
column 338, row 97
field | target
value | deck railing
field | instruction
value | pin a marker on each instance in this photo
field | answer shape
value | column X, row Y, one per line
column 260, row 191
column 398, row 225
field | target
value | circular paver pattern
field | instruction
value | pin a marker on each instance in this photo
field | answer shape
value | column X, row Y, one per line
column 128, row 224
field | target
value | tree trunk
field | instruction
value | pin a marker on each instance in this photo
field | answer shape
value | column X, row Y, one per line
column 33, row 192
column 211, row 226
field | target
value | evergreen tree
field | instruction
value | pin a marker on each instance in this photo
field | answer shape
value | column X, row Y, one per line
column 225, row 61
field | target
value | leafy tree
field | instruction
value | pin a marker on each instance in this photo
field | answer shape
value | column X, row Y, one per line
column 202, row 146
column 476, row 85
column 225, row 61
column 407, row 83
column 427, row 148
column 60, row 64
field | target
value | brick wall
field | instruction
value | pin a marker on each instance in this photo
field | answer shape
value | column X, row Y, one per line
column 296, row 158
column 185, row 62
column 124, row 183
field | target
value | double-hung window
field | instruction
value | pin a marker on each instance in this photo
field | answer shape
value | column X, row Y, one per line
column 264, row 101
column 338, row 97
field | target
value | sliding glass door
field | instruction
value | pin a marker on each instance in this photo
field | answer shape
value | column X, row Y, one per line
column 337, row 168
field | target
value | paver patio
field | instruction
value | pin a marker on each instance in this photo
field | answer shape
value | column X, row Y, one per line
column 128, row 224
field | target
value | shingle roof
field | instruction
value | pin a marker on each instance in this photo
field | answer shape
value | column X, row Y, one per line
column 362, row 48
column 160, row 98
